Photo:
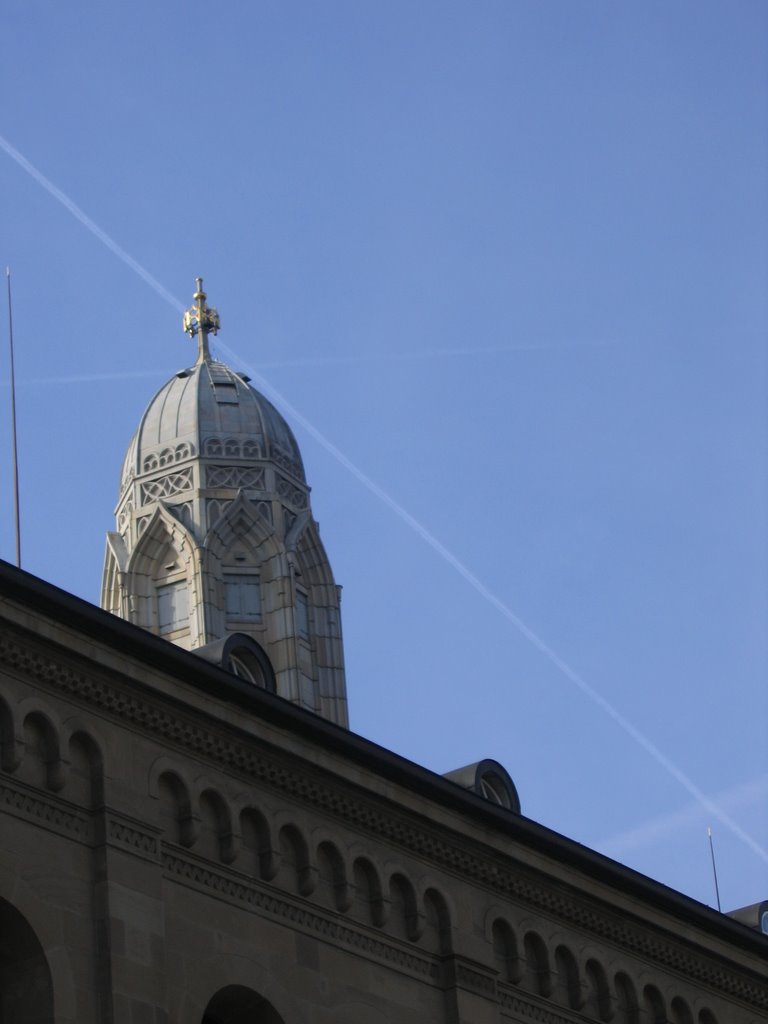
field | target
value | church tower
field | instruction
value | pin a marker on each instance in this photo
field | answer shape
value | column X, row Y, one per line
column 216, row 548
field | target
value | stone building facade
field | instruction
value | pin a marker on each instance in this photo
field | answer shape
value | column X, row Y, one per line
column 181, row 846
column 192, row 836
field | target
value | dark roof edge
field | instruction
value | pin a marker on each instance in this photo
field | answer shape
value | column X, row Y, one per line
column 102, row 626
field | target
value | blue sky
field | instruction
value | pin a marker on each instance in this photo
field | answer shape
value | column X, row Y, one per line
column 509, row 259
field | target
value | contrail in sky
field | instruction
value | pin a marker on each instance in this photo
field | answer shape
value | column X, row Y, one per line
column 689, row 818
column 86, row 221
column 640, row 738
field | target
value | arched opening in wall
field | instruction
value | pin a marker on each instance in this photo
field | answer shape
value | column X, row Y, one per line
column 627, row 1010
column 538, row 977
column 653, row 1004
column 437, row 922
column 403, row 918
column 41, row 763
column 10, row 748
column 598, row 1001
column 257, row 857
column 331, row 877
column 215, row 841
column 368, row 902
column 237, row 1004
column 295, row 874
column 567, row 987
column 26, row 990
column 85, row 772
column 680, row 1011
column 505, row 953
column 174, row 810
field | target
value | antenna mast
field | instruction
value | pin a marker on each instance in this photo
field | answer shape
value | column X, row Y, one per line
column 13, row 425
column 714, row 867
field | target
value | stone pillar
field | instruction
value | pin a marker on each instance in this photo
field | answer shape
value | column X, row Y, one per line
column 128, row 891
column 470, row 990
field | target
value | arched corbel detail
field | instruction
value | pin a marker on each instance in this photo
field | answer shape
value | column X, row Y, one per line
column 324, row 839
column 402, row 894
column 228, row 824
column 92, row 746
column 56, row 763
column 188, row 819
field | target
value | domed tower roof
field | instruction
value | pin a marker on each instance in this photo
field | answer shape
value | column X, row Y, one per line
column 203, row 406
column 215, row 536
column 209, row 402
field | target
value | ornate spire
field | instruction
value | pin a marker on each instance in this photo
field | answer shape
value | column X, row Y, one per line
column 201, row 320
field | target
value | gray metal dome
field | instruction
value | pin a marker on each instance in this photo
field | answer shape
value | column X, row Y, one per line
column 209, row 410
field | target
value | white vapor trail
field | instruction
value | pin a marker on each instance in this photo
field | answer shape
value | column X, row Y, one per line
column 640, row 738
column 86, row 221
column 690, row 817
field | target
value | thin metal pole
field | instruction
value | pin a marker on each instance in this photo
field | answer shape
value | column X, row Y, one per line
column 714, row 867
column 13, row 425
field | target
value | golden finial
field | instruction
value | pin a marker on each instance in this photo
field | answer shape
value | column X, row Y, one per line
column 201, row 320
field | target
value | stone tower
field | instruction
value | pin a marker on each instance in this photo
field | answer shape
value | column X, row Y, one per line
column 216, row 548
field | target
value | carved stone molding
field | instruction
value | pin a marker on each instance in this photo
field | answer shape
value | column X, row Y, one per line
column 290, row 493
column 45, row 811
column 235, row 477
column 132, row 837
column 470, row 976
column 238, row 891
column 165, row 486
column 525, row 1010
